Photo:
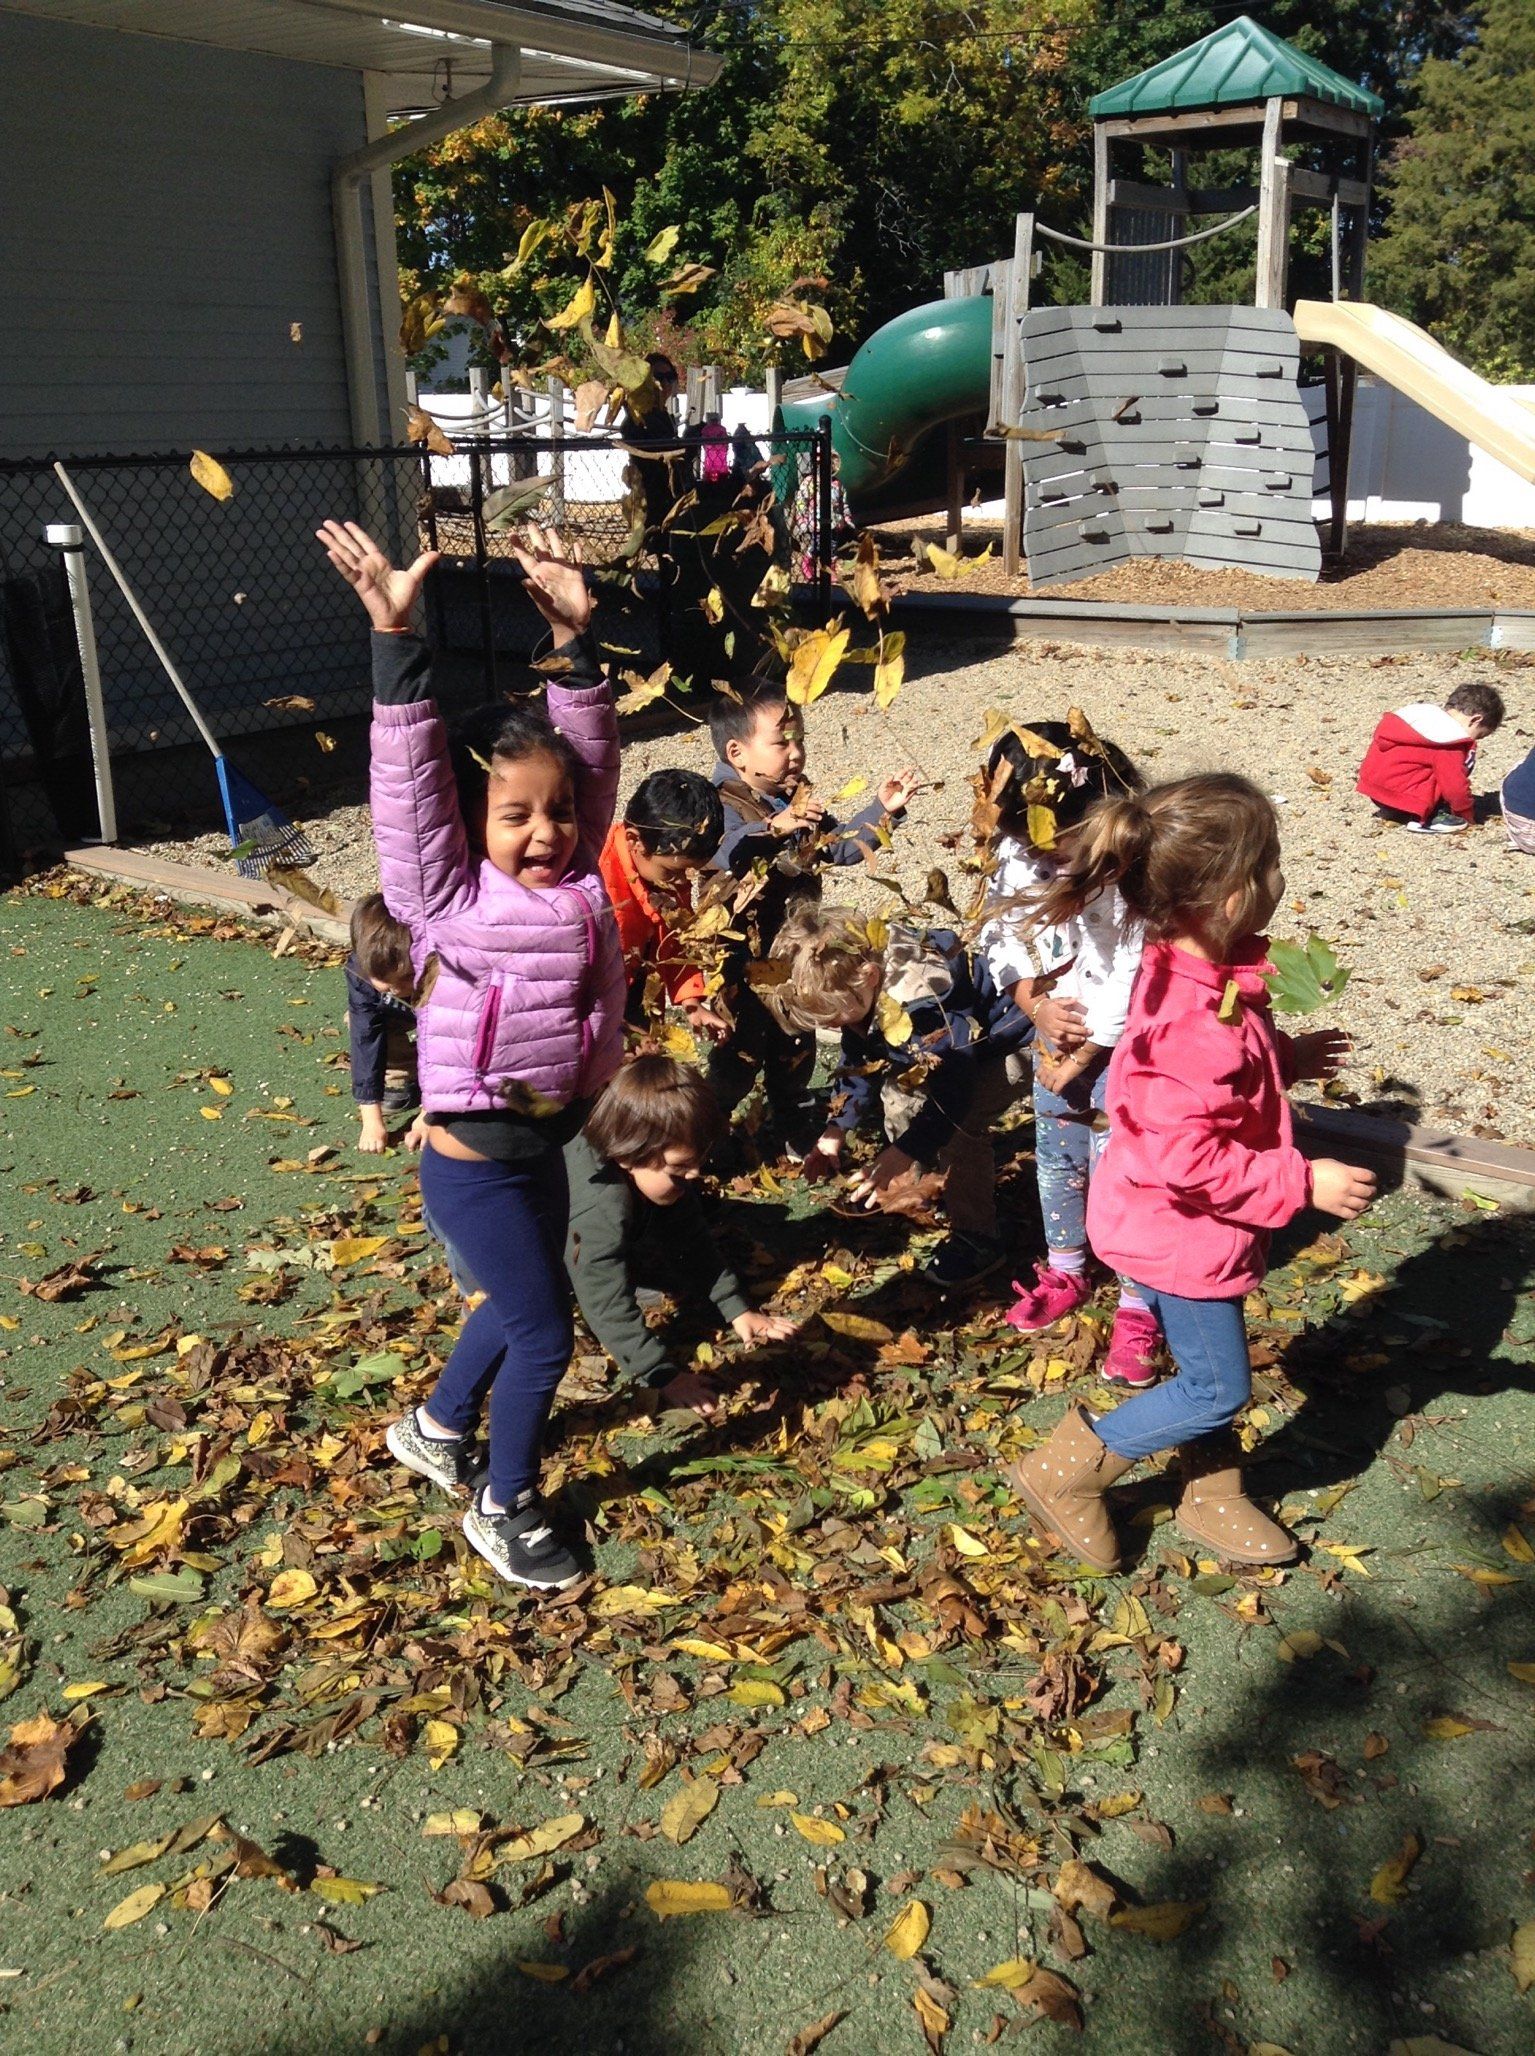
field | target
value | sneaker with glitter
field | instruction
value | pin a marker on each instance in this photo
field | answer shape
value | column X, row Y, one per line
column 1133, row 1348
column 1053, row 1295
column 455, row 1466
column 520, row 1544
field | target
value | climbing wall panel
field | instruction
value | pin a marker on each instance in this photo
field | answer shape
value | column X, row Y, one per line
column 1165, row 432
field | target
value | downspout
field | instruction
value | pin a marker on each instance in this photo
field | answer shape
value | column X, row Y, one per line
column 369, row 424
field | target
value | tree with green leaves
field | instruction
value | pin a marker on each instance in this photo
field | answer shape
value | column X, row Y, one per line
column 1459, row 251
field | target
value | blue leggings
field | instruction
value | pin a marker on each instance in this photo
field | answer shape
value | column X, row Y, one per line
column 508, row 1223
column 1065, row 1149
column 1208, row 1341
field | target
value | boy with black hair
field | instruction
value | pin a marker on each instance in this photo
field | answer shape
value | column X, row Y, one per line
column 670, row 831
column 1418, row 766
column 380, row 1019
column 774, row 821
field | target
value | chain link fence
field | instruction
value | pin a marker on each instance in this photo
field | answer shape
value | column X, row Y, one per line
column 271, row 643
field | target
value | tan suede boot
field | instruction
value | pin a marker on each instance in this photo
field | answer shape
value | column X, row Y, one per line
column 1062, row 1484
column 1215, row 1512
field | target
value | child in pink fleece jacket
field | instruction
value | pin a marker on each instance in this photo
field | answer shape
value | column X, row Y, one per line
column 1200, row 1165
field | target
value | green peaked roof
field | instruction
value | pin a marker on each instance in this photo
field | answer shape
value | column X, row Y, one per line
column 1236, row 65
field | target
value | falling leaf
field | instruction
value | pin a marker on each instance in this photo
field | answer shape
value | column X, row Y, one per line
column 688, row 1809
column 327, row 742
column 661, row 246
column 421, row 428
column 1163, row 1922
column 580, row 307
column 211, row 476
column 907, row 1933
column 814, row 664
column 822, row 1832
column 1230, row 1008
column 668, row 1897
column 134, row 1907
column 890, row 670
column 1040, row 825
column 893, row 1021
column 1389, row 1884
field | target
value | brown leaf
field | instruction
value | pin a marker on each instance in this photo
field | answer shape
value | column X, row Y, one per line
column 1049, row 1995
column 477, row 1900
column 811, row 2037
column 1323, row 1778
column 421, row 428
column 600, row 1966
column 67, row 1282
column 1080, row 1888
column 33, row 1764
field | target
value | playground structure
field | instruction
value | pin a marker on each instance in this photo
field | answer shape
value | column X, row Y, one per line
column 1141, row 425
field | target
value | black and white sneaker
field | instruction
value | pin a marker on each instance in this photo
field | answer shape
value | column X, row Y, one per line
column 1438, row 824
column 520, row 1545
column 454, row 1466
column 964, row 1260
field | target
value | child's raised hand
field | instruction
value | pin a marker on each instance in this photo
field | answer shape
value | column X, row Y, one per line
column 896, row 794
column 556, row 584
column 1322, row 1053
column 388, row 593
column 1341, row 1189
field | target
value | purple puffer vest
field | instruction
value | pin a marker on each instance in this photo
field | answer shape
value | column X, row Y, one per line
column 527, row 1007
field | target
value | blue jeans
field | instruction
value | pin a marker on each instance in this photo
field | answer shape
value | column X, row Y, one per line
column 1065, row 1150
column 1208, row 1341
column 507, row 1223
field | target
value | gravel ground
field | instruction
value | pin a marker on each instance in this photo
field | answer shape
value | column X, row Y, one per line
column 1439, row 931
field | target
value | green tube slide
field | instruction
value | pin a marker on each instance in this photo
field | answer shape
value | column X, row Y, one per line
column 926, row 367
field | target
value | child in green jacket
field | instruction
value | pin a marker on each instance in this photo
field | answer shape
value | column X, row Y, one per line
column 635, row 1214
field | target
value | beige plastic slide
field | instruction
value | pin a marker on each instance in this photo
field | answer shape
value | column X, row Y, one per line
column 1401, row 353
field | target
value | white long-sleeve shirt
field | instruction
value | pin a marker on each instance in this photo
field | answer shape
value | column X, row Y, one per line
column 1096, row 952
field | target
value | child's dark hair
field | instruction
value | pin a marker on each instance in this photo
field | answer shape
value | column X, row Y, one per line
column 651, row 1105
column 676, row 814
column 1178, row 854
column 504, row 733
column 1067, row 778
column 1478, row 702
column 733, row 715
column 381, row 944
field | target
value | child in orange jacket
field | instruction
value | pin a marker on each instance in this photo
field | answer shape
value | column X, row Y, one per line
column 671, row 829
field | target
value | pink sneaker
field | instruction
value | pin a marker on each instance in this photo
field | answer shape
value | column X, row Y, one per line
column 1133, row 1348
column 1053, row 1295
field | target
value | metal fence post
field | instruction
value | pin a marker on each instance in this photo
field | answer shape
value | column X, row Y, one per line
column 825, row 553
column 482, row 573
column 69, row 540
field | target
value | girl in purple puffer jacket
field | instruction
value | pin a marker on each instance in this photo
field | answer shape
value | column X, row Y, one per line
column 488, row 854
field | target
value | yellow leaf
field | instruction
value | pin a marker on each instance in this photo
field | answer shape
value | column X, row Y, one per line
column 856, row 1327
column 463, row 1820
column 712, row 606
column 687, row 1810
column 1524, row 1672
column 344, row 1891
column 1230, row 1008
column 821, row 1832
column 134, row 1907
column 1349, row 1554
column 1080, row 1888
column 1389, row 1883
column 352, row 1249
column 661, row 246
column 852, row 789
column 1040, row 826
column 908, row 1931
column 935, row 2022
column 546, row 1973
column 1010, row 1975
column 442, row 1739
column 1116, row 1804
column 1522, row 1948
column 290, row 1589
column 966, row 1543
column 617, row 1599
column 814, row 664
column 1163, row 1922
column 757, row 1692
column 945, row 562
column 211, row 476
column 1444, row 1727
column 778, row 1799
column 890, row 668
column 211, row 1113
column 893, row 1021
column 1518, row 1547
column 667, row 1897
column 580, row 307
column 539, row 1841
column 221, row 1086
column 1302, row 1642
column 708, row 1652
column 88, row 1690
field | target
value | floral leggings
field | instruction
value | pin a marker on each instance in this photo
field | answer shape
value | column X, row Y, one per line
column 1067, row 1143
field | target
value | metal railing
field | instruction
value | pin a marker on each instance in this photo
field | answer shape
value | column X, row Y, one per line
column 273, row 645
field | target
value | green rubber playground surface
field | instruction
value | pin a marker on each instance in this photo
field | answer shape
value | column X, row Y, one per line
column 287, row 1774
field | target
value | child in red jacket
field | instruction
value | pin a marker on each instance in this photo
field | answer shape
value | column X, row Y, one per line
column 1418, row 766
column 1200, row 1164
column 671, row 829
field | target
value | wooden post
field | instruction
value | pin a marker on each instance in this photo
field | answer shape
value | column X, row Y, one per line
column 1019, row 279
column 773, row 383
column 1273, row 213
column 556, row 389
column 955, row 285
column 1100, row 213
column 1180, row 169
column 712, row 389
